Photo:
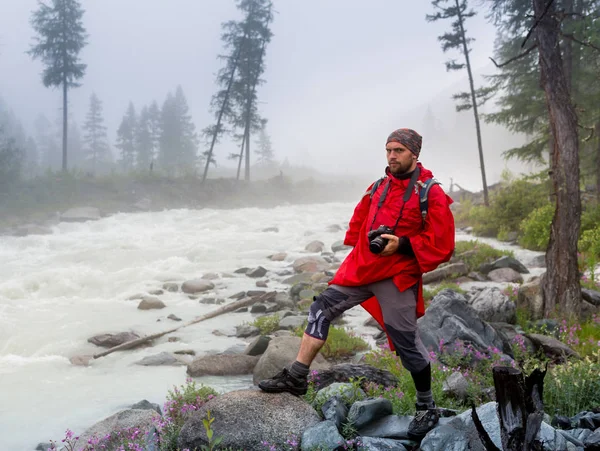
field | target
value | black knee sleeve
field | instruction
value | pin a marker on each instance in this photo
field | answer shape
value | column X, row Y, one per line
column 318, row 324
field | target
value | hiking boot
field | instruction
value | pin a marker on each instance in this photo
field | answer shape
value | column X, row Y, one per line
column 284, row 382
column 425, row 420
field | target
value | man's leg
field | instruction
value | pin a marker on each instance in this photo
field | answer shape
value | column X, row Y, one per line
column 327, row 306
column 400, row 319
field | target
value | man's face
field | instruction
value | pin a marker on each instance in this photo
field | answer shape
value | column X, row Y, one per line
column 400, row 159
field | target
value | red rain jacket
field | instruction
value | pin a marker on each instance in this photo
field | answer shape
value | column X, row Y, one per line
column 432, row 243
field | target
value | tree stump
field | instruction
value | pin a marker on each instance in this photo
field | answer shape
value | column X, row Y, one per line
column 520, row 409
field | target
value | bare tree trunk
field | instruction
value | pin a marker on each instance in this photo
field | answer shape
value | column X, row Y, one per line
column 486, row 199
column 241, row 155
column 598, row 162
column 65, row 119
column 222, row 110
column 247, row 151
column 561, row 287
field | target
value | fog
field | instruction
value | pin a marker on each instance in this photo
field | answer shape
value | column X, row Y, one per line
column 340, row 75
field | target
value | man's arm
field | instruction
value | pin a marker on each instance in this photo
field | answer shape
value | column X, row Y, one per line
column 435, row 244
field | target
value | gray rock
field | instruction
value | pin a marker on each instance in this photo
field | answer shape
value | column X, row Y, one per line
column 257, row 272
column 257, row 346
column 363, row 413
column 246, row 330
column 322, row 436
column 335, row 410
column 339, row 246
column 505, row 275
column 493, row 305
column 281, row 353
column 445, row 272
column 310, row 264
column 222, row 365
column 391, row 426
column 450, row 318
column 111, row 340
column 591, row 296
column 236, row 413
column 146, row 405
column 504, row 262
column 315, row 246
column 161, row 359
column 344, row 372
column 292, row 322
column 197, row 286
column 457, row 385
column 381, row 444
column 150, row 303
column 126, row 419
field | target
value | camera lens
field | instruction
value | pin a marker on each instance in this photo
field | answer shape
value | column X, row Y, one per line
column 376, row 246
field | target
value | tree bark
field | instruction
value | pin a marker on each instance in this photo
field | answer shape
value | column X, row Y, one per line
column 65, row 119
column 598, row 162
column 561, row 289
column 241, row 155
column 486, row 199
column 520, row 407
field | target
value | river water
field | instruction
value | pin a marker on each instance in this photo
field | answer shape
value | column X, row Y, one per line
column 58, row 290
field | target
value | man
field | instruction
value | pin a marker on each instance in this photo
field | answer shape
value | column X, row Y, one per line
column 385, row 275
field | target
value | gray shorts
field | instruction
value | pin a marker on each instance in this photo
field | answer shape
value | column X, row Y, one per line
column 399, row 309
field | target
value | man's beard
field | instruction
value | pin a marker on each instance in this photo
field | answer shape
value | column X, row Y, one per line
column 400, row 169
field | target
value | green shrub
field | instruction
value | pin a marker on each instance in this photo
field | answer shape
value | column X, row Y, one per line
column 340, row 343
column 266, row 324
column 573, row 387
column 535, row 228
column 509, row 205
column 478, row 253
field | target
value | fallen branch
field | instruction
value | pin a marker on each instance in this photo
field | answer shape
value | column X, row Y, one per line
column 139, row 341
column 515, row 58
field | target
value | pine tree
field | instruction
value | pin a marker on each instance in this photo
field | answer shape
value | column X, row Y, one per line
column 264, row 149
column 457, row 39
column 60, row 38
column 48, row 147
column 178, row 141
column 144, row 141
column 11, row 161
column 154, row 119
column 235, row 102
column 126, row 139
column 95, row 137
column 76, row 146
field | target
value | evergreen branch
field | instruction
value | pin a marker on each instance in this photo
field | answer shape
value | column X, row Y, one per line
column 574, row 39
column 537, row 22
column 515, row 58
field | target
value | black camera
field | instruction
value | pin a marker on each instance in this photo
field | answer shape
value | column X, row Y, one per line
column 376, row 243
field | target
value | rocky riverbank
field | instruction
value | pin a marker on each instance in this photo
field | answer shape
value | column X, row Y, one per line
column 483, row 317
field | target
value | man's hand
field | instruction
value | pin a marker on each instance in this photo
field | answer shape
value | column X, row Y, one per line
column 392, row 246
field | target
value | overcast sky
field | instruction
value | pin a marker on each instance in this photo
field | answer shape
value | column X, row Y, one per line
column 341, row 75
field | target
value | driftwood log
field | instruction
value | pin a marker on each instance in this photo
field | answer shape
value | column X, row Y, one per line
column 520, row 409
column 139, row 341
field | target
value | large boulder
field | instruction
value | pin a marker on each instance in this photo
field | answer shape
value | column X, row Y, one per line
column 492, row 304
column 281, row 353
column 247, row 418
column 142, row 419
column 450, row 318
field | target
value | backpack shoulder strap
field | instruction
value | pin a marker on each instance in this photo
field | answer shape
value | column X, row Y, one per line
column 424, row 195
column 375, row 186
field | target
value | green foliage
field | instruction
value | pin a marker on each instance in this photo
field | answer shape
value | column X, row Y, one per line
column 212, row 442
column 508, row 206
column 429, row 293
column 475, row 253
column 535, row 228
column 11, row 160
column 267, row 324
column 573, row 387
column 341, row 343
